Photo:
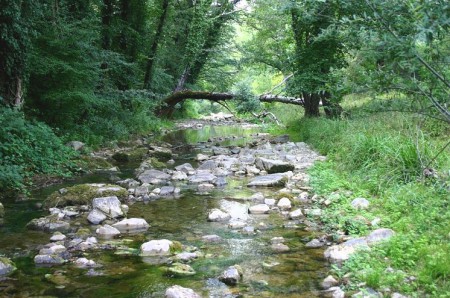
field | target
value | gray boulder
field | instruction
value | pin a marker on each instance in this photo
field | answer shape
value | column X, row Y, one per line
column 202, row 177
column 153, row 177
column 269, row 180
column 186, row 168
column 273, row 165
column 232, row 276
column 110, row 206
column 96, row 217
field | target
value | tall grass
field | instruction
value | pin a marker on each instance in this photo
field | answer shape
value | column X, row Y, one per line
column 382, row 156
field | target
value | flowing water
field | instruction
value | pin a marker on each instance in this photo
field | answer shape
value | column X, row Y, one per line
column 296, row 273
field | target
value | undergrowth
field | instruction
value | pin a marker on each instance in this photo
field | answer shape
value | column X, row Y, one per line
column 382, row 157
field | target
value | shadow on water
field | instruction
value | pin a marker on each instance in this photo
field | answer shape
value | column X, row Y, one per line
column 266, row 274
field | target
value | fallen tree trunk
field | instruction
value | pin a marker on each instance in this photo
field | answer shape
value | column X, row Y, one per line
column 177, row 97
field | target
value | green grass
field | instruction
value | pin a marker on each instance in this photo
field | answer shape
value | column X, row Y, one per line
column 381, row 156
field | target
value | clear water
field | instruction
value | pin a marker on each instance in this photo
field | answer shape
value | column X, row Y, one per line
column 297, row 274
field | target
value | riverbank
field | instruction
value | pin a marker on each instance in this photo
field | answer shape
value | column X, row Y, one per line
column 392, row 161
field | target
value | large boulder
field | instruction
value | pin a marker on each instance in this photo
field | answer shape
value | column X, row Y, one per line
column 131, row 225
column 6, row 266
column 157, row 248
column 83, row 194
column 110, row 206
column 180, row 292
column 269, row 180
column 96, row 217
column 153, row 177
column 360, row 203
column 49, row 223
column 273, row 165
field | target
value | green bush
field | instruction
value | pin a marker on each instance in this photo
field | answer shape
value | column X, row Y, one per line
column 28, row 148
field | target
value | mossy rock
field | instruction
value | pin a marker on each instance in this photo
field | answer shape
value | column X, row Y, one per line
column 83, row 194
column 176, row 247
column 137, row 153
column 6, row 266
column 91, row 163
column 121, row 157
column 179, row 269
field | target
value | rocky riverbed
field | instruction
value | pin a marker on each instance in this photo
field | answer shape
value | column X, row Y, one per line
column 210, row 211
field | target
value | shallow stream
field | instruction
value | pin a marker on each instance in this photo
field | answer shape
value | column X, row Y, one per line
column 296, row 273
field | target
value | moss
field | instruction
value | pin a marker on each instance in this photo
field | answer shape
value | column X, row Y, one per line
column 83, row 194
column 137, row 153
column 176, row 247
column 90, row 163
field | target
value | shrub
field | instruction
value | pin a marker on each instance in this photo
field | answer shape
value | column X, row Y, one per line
column 28, row 148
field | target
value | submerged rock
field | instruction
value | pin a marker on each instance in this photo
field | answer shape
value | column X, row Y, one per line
column 107, row 231
column 6, row 266
column 180, row 292
column 315, row 243
column 179, row 269
column 232, row 275
column 212, row 238
column 49, row 223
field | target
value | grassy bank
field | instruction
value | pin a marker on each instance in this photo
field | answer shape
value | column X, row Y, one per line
column 382, row 157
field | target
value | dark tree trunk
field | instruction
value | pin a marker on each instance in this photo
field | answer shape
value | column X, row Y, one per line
column 311, row 104
column 154, row 47
column 107, row 15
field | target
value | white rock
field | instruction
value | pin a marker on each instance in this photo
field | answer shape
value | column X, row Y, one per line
column 284, row 204
column 296, row 214
column 58, row 237
column 179, row 176
column 84, row 263
column 107, row 231
column 270, row 202
column 259, row 209
column 156, row 248
column 131, row 225
column 218, row 215
column 96, row 217
column 110, row 206
column 180, row 292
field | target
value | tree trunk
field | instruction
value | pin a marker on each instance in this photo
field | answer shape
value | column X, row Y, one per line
column 311, row 104
column 183, row 79
column 178, row 97
column 154, row 47
column 332, row 110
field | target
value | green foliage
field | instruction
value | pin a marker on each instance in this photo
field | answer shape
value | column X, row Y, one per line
column 28, row 148
column 245, row 100
column 381, row 157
